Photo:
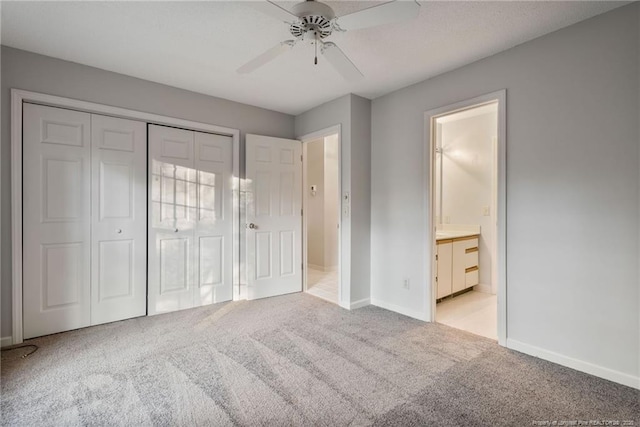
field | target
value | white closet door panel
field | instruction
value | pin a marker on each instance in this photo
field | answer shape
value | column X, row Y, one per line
column 213, row 232
column 119, row 220
column 172, row 219
column 274, row 245
column 56, row 220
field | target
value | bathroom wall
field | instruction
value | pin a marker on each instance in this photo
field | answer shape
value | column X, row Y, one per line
column 322, row 218
column 331, row 201
column 315, row 204
column 467, row 179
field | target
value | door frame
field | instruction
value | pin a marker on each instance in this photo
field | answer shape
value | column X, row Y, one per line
column 18, row 98
column 501, row 222
column 314, row 136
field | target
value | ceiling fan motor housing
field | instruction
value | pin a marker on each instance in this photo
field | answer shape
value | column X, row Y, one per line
column 314, row 20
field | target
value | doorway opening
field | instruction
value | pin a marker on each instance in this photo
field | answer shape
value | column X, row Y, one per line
column 467, row 216
column 321, row 201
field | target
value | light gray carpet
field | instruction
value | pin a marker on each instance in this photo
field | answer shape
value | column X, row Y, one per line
column 294, row 360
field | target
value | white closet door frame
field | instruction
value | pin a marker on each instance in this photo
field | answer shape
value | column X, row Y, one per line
column 18, row 97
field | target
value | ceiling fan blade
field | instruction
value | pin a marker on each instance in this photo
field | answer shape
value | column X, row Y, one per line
column 387, row 13
column 267, row 56
column 341, row 62
column 269, row 8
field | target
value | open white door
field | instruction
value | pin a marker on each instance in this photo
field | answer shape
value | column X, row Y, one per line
column 274, row 216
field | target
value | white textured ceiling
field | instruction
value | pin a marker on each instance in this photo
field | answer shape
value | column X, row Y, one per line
column 199, row 45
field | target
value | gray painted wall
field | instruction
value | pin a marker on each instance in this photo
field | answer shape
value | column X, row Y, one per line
column 37, row 73
column 360, row 199
column 336, row 112
column 572, row 188
column 353, row 113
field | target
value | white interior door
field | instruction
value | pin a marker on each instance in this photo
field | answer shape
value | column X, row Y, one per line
column 214, row 226
column 56, row 220
column 119, row 220
column 274, row 216
column 190, row 220
column 172, row 194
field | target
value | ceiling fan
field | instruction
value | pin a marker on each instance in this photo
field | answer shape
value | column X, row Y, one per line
column 313, row 21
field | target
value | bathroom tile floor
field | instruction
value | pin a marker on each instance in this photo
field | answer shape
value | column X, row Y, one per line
column 323, row 284
column 474, row 312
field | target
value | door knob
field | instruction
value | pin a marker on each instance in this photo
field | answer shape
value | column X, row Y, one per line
column 119, row 231
column 252, row 226
column 175, row 231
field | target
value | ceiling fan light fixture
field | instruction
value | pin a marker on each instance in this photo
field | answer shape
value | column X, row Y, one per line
column 312, row 8
column 314, row 21
column 313, row 17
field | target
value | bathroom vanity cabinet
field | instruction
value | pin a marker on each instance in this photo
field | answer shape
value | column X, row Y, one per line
column 456, row 264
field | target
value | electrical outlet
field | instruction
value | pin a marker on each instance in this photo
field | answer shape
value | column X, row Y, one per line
column 486, row 211
column 405, row 283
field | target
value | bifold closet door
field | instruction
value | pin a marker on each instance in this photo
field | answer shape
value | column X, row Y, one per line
column 119, row 220
column 214, row 225
column 84, row 219
column 190, row 219
column 56, row 220
column 171, row 219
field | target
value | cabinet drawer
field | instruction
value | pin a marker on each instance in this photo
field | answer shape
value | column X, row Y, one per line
column 471, row 277
column 468, row 243
column 471, row 258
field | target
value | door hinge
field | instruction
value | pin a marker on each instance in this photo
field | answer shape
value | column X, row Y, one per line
column 300, row 157
column 436, row 257
column 301, row 266
column 436, row 278
column 301, row 212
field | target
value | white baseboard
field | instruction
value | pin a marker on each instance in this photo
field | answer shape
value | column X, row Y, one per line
column 483, row 288
column 398, row 309
column 6, row 341
column 578, row 365
column 360, row 303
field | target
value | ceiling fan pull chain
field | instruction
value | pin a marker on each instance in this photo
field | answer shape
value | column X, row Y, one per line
column 316, row 46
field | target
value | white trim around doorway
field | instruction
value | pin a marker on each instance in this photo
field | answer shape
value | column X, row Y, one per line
column 18, row 97
column 501, row 225
column 343, row 285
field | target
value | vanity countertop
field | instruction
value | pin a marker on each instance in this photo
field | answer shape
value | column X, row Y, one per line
column 454, row 234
